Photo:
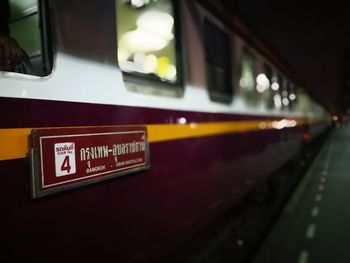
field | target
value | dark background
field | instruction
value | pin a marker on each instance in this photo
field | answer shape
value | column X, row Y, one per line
column 311, row 38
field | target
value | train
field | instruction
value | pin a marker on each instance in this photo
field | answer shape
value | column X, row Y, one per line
column 139, row 123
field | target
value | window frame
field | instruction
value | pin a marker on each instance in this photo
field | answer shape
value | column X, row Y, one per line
column 47, row 37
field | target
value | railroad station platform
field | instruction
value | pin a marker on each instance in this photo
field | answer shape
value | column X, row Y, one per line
column 314, row 227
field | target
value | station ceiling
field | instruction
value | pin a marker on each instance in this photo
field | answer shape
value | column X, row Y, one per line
column 312, row 38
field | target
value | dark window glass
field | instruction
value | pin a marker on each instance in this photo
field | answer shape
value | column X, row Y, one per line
column 218, row 60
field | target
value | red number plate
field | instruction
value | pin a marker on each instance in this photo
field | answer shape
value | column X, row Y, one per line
column 66, row 158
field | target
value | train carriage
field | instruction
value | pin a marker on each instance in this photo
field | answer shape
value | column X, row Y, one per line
column 202, row 109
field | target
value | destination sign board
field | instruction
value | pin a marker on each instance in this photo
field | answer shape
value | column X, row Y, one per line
column 66, row 158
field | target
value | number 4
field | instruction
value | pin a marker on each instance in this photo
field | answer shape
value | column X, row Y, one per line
column 65, row 165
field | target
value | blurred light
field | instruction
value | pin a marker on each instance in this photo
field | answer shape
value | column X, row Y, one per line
column 284, row 93
column 139, row 3
column 262, row 125
column 284, row 123
column 292, row 96
column 182, row 120
column 139, row 58
column 123, row 55
column 285, row 101
column 262, row 83
column 293, row 123
column 150, row 64
column 260, row 88
column 171, row 73
column 163, row 64
column 247, row 77
column 275, row 86
column 246, row 82
column 278, row 124
column 335, row 118
column 153, row 32
column 141, row 41
column 193, row 125
column 277, row 101
column 157, row 23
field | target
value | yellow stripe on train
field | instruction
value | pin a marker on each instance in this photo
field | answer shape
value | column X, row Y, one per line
column 14, row 143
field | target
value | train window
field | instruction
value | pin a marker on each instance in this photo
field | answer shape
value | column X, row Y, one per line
column 275, row 87
column 284, row 92
column 264, row 82
column 247, row 78
column 147, row 39
column 29, row 28
column 218, row 61
column 292, row 95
